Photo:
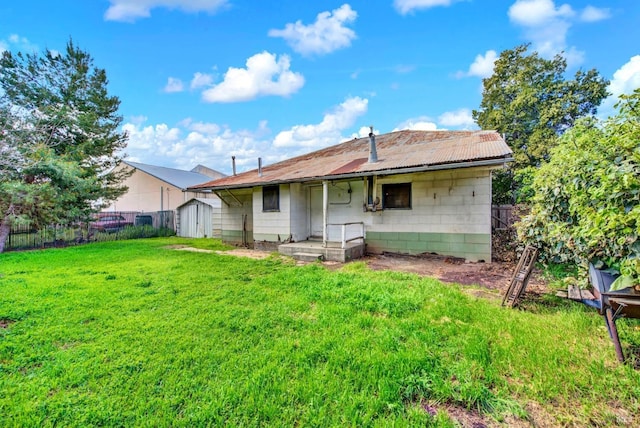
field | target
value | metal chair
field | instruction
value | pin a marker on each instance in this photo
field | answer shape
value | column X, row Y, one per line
column 613, row 304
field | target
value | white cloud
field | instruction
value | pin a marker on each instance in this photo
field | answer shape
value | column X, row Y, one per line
column 625, row 80
column 546, row 25
column 201, row 80
column 137, row 120
column 173, row 85
column 594, row 14
column 407, row 6
column 131, row 10
column 191, row 142
column 460, row 118
column 327, row 132
column 19, row 43
column 422, row 123
column 263, row 76
column 482, row 66
column 327, row 34
column 364, row 131
column 536, row 13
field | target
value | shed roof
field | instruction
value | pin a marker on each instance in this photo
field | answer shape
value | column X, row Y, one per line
column 398, row 152
column 212, row 202
column 176, row 177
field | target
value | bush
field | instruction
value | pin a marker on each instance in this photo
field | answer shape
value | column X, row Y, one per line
column 136, row 232
column 586, row 203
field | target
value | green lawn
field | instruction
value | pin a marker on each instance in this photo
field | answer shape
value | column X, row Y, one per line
column 132, row 333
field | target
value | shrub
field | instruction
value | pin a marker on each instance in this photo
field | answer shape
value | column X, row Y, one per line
column 586, row 203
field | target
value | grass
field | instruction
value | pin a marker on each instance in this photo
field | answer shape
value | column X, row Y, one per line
column 133, row 333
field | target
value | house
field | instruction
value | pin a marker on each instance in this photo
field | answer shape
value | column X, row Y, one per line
column 406, row 192
column 156, row 188
column 199, row 218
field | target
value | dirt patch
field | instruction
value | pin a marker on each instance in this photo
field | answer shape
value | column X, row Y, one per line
column 6, row 322
column 466, row 418
column 493, row 276
column 195, row 250
column 246, row 252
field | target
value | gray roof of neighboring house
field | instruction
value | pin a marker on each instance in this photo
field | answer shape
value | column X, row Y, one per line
column 398, row 152
column 175, row 177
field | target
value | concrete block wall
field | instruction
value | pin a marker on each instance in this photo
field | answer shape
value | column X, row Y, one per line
column 272, row 226
column 345, row 208
column 299, row 211
column 450, row 214
column 232, row 216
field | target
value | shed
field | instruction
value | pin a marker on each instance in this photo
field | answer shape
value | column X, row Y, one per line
column 200, row 218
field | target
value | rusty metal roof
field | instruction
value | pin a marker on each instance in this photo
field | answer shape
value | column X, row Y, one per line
column 397, row 151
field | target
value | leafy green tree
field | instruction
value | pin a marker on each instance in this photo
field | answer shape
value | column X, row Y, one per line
column 529, row 101
column 586, row 203
column 59, row 139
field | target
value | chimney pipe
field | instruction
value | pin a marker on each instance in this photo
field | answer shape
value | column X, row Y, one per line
column 373, row 155
column 233, row 164
column 259, row 167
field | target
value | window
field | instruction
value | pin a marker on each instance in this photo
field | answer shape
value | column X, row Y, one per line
column 397, row 195
column 271, row 198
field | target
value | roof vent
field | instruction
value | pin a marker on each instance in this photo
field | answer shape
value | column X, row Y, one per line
column 259, row 167
column 233, row 164
column 373, row 155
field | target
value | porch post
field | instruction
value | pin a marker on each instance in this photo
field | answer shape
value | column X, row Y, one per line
column 325, row 212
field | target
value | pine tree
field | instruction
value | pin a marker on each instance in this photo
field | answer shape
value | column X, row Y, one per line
column 59, row 139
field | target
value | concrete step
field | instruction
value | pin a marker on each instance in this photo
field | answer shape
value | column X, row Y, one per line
column 308, row 257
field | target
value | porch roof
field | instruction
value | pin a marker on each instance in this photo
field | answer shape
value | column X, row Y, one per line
column 398, row 152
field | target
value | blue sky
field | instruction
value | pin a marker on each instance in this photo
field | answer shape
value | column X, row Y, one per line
column 202, row 80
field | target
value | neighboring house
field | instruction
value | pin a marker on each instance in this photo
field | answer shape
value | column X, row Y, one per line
column 199, row 218
column 411, row 191
column 156, row 188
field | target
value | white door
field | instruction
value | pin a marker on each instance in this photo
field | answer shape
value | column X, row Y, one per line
column 315, row 211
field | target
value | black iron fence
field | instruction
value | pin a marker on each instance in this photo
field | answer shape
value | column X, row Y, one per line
column 105, row 226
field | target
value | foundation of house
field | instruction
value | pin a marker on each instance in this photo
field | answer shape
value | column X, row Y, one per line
column 312, row 250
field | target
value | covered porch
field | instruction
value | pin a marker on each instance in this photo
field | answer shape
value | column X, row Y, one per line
column 339, row 242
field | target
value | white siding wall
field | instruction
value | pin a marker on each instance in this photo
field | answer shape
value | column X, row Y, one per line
column 299, row 195
column 456, row 204
column 442, row 202
column 232, row 215
column 267, row 226
column 340, row 211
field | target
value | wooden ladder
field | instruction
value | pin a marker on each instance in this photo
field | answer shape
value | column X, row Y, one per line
column 520, row 277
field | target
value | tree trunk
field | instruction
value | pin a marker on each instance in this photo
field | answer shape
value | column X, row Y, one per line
column 5, row 228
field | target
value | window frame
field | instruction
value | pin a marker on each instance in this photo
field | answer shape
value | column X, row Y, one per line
column 397, row 186
column 273, row 192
